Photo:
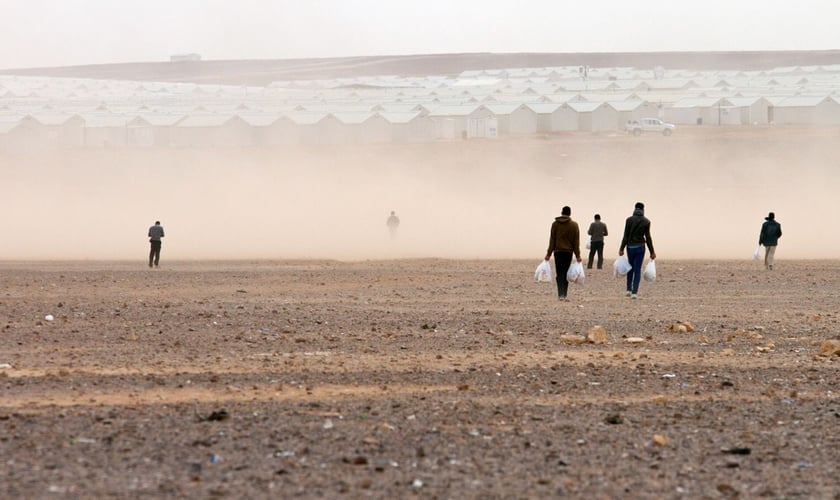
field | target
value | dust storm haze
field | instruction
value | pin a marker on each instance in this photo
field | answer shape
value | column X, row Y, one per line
column 707, row 192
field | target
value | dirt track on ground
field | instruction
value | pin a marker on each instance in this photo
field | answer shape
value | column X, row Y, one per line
column 428, row 378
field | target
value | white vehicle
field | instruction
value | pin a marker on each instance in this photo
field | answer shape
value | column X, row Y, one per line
column 637, row 127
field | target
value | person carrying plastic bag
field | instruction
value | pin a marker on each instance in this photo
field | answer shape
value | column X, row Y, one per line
column 650, row 271
column 771, row 231
column 621, row 266
column 543, row 272
column 575, row 273
column 636, row 237
column 563, row 242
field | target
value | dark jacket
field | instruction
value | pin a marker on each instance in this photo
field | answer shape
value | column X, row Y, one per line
column 771, row 231
column 565, row 236
column 156, row 233
column 637, row 231
column 597, row 230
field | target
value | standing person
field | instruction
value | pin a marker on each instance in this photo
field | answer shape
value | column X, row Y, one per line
column 597, row 231
column 563, row 242
column 771, row 231
column 393, row 223
column 636, row 236
column 155, row 234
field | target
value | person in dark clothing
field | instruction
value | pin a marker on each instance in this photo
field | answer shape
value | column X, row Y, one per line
column 636, row 236
column 563, row 242
column 771, row 231
column 155, row 234
column 597, row 231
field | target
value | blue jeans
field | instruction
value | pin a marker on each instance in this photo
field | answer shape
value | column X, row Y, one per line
column 636, row 256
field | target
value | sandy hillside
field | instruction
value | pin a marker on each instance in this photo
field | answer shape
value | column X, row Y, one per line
column 263, row 72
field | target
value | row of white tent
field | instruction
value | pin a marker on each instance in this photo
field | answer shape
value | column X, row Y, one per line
column 23, row 90
column 69, row 112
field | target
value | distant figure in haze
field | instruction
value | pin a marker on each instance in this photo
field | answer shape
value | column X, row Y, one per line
column 771, row 231
column 597, row 231
column 393, row 223
column 636, row 236
column 563, row 242
column 155, row 234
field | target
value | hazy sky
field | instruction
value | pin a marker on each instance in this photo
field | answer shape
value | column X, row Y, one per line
column 37, row 33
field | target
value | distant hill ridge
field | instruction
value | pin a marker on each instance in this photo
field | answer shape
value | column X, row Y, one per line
column 263, row 72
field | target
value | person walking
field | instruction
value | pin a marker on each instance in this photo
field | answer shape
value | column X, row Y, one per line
column 393, row 223
column 155, row 234
column 597, row 231
column 563, row 242
column 771, row 231
column 636, row 236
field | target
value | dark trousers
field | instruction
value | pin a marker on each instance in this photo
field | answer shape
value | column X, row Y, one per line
column 154, row 253
column 636, row 256
column 562, row 261
column 596, row 246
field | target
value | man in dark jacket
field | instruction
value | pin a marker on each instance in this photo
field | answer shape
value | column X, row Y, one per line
column 771, row 231
column 597, row 231
column 563, row 242
column 155, row 234
column 636, row 236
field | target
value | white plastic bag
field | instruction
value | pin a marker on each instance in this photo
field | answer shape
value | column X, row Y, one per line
column 757, row 253
column 575, row 273
column 621, row 266
column 649, row 273
column 543, row 272
column 589, row 243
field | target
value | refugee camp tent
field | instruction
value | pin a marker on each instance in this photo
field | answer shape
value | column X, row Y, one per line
column 271, row 129
column 464, row 121
column 211, row 130
column 631, row 110
column 748, row 110
column 554, row 117
column 58, row 130
column 364, row 127
column 514, row 119
column 411, row 126
column 695, row 111
column 594, row 116
column 821, row 110
column 105, row 130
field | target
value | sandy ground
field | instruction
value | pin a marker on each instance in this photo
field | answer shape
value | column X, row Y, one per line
column 427, row 378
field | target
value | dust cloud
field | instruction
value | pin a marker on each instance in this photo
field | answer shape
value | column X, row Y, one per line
column 707, row 192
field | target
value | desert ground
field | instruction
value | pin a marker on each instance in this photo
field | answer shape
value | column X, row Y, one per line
column 428, row 378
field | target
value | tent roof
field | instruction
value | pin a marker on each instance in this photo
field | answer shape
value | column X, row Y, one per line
column 625, row 105
column 105, row 120
column 697, row 102
column 584, row 107
column 353, row 118
column 259, row 120
column 399, row 117
column 206, row 120
column 161, row 120
column 544, row 108
column 801, row 101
